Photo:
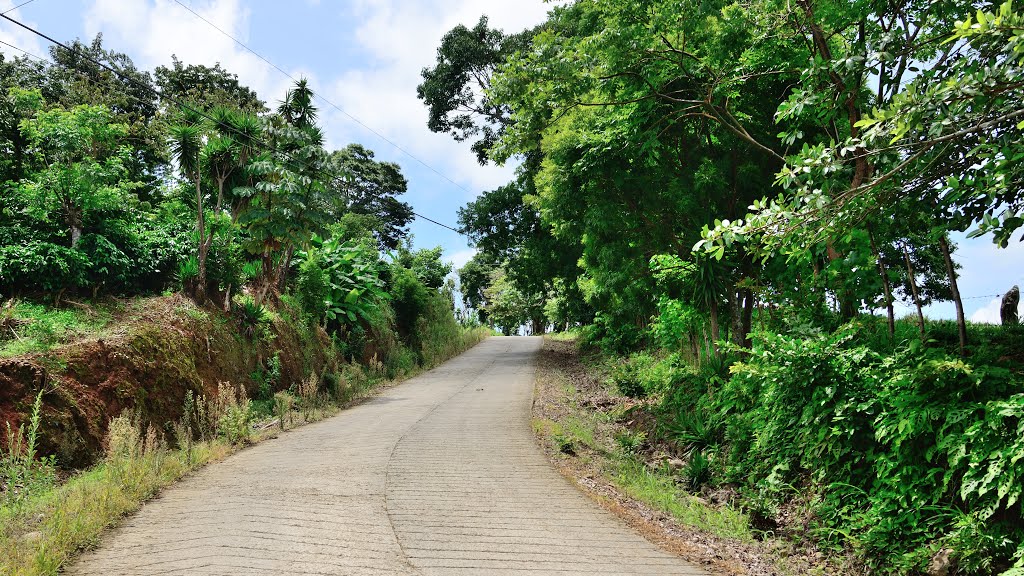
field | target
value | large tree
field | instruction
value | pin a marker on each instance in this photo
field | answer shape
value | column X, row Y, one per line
column 205, row 87
column 455, row 89
column 370, row 187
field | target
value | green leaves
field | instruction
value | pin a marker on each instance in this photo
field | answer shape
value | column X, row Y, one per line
column 340, row 281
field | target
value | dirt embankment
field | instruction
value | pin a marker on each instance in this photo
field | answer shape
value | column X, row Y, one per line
column 159, row 350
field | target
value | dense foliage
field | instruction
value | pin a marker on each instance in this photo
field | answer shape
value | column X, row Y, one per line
column 184, row 179
column 726, row 193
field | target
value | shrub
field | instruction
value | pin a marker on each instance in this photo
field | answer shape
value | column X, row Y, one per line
column 48, row 267
column 897, row 443
column 253, row 318
column 283, row 403
column 313, row 287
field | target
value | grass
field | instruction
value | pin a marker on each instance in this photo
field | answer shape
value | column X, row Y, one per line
column 567, row 336
column 658, row 490
column 43, row 534
column 27, row 328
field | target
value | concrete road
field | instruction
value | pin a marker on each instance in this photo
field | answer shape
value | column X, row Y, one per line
column 438, row 476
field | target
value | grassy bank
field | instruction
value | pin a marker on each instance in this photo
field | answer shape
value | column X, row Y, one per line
column 595, row 437
column 47, row 517
column 885, row 455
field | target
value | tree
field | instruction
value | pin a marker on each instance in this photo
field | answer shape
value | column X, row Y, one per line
column 474, row 278
column 130, row 95
column 285, row 207
column 15, row 74
column 205, row 87
column 455, row 90
column 370, row 187
column 83, row 163
column 425, row 263
column 186, row 146
column 507, row 308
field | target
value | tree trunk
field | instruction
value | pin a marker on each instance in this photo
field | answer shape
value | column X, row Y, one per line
column 714, row 326
column 743, row 312
column 538, row 326
column 200, row 294
column 885, row 285
column 961, row 323
column 283, row 269
column 913, row 290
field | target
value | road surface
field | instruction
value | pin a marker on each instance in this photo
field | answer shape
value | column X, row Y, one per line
column 440, row 475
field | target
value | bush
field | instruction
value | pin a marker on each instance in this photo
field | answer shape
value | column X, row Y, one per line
column 43, row 266
column 231, row 411
column 254, row 319
column 896, row 443
column 313, row 288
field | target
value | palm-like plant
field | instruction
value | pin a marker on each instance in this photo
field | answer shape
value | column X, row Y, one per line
column 297, row 107
column 186, row 144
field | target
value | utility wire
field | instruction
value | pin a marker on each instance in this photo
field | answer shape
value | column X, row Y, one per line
column 159, row 94
column 25, row 3
column 23, row 51
column 323, row 98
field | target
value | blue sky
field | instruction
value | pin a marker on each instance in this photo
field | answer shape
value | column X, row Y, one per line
column 365, row 56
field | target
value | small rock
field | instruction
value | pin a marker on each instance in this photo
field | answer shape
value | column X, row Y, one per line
column 939, row 566
column 31, row 537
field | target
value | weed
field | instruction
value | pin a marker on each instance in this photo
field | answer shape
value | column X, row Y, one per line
column 691, row 428
column 232, row 413
column 565, row 444
column 309, row 397
column 630, row 442
column 21, row 473
column 254, row 319
column 283, row 403
column 697, row 471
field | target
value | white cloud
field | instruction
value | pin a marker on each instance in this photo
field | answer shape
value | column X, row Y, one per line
column 152, row 31
column 401, row 38
column 989, row 314
column 458, row 259
column 17, row 36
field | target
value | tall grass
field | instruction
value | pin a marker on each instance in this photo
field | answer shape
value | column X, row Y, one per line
column 21, row 474
column 42, row 534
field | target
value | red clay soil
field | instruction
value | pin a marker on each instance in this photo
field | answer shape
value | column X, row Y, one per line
column 158, row 351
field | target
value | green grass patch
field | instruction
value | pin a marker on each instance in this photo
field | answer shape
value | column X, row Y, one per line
column 659, row 491
column 27, row 328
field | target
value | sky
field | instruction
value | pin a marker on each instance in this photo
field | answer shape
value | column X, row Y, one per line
column 365, row 57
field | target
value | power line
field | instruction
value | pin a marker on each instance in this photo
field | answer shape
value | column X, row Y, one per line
column 23, row 51
column 26, row 2
column 161, row 95
column 323, row 98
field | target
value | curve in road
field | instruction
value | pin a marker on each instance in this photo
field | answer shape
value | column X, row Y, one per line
column 438, row 476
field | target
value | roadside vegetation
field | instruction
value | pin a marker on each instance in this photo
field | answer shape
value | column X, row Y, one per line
column 184, row 270
column 734, row 203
